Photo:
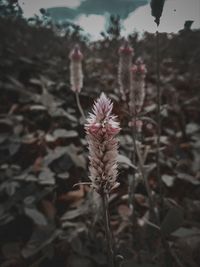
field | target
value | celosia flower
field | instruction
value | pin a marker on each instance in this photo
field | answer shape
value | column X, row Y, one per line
column 76, row 74
column 137, row 92
column 124, row 73
column 101, row 129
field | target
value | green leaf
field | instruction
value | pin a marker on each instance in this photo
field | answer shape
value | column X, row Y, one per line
column 125, row 161
column 186, row 232
column 62, row 133
column 35, row 215
column 172, row 221
column 130, row 263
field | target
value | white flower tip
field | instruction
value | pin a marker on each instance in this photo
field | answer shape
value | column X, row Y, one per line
column 126, row 49
column 76, row 54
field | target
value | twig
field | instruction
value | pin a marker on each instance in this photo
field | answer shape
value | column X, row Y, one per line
column 79, row 105
column 110, row 252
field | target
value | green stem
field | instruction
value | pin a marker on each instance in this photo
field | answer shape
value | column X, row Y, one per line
column 79, row 105
column 110, row 252
column 158, row 119
column 132, row 183
column 144, row 176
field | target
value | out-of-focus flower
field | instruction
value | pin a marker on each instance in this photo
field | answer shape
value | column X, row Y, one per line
column 124, row 73
column 101, row 129
column 137, row 124
column 76, row 73
column 137, row 92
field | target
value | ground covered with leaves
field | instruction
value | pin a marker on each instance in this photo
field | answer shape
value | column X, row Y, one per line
column 45, row 220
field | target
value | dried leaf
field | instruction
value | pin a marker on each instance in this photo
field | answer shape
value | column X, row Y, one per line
column 188, row 178
column 46, row 177
column 183, row 232
column 73, row 196
column 168, row 180
column 62, row 133
column 35, row 215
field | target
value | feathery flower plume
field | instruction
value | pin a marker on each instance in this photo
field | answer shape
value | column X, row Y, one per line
column 137, row 92
column 124, row 73
column 76, row 74
column 101, row 129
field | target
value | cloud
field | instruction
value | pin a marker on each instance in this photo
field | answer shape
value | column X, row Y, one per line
column 91, row 15
column 97, row 7
column 119, row 7
column 175, row 13
column 93, row 24
column 31, row 7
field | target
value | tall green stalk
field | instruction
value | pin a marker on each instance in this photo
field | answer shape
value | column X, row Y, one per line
column 79, row 105
column 108, row 233
column 158, row 119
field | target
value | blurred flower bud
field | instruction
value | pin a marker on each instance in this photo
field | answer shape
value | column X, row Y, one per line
column 76, row 74
column 124, row 73
column 137, row 92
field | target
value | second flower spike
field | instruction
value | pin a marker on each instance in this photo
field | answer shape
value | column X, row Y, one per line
column 137, row 92
column 76, row 73
column 124, row 73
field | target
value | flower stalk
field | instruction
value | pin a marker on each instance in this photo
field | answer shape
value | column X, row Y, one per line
column 136, row 100
column 158, row 121
column 78, row 103
column 108, row 233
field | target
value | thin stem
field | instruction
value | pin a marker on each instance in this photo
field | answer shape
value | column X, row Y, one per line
column 164, row 243
column 110, row 252
column 132, row 183
column 79, row 105
column 158, row 119
column 144, row 176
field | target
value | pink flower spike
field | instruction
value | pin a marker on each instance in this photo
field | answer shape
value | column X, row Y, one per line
column 76, row 54
column 126, row 49
column 137, row 92
column 76, row 74
column 124, row 73
column 101, row 129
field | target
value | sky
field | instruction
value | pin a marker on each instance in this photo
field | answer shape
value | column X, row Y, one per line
column 92, row 15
